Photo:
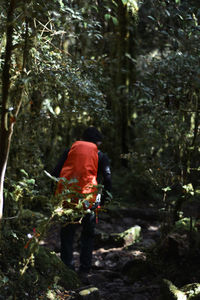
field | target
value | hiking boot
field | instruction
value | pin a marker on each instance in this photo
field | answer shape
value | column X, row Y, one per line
column 83, row 276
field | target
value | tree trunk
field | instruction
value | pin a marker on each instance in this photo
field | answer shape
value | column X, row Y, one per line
column 6, row 132
column 123, row 75
column 8, row 120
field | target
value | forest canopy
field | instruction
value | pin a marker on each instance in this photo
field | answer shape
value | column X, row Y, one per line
column 129, row 68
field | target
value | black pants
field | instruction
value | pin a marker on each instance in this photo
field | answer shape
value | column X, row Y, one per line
column 86, row 242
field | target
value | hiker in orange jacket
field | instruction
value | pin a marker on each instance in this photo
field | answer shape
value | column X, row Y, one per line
column 89, row 166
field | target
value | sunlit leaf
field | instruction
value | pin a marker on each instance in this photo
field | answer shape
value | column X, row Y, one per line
column 115, row 21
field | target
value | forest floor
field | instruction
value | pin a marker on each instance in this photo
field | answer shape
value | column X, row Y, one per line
column 110, row 262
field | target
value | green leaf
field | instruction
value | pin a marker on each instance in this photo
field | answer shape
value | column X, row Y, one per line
column 152, row 18
column 5, row 280
column 166, row 189
column 189, row 188
column 47, row 105
column 116, row 4
column 52, row 177
column 130, row 57
column 69, row 10
column 115, row 21
column 14, row 235
column 168, row 13
column 24, row 172
column 61, row 3
column 107, row 17
column 73, row 180
column 30, row 181
column 180, row 17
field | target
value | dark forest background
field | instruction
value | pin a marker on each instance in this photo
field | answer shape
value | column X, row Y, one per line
column 132, row 69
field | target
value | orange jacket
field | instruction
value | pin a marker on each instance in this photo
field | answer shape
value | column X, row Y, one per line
column 81, row 164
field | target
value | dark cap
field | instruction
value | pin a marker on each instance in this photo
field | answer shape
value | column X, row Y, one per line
column 91, row 134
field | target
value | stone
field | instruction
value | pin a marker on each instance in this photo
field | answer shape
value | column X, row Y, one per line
column 126, row 238
column 137, row 269
column 90, row 293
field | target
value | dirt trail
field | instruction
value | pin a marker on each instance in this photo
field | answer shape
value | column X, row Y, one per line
column 108, row 272
column 109, row 267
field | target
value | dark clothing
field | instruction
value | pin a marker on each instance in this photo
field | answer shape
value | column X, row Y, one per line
column 86, row 243
column 91, row 134
column 60, row 163
column 104, row 175
column 88, row 222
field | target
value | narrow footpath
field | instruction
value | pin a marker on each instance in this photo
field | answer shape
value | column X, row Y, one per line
column 111, row 263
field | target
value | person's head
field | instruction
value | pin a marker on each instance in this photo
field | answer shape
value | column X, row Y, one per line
column 91, row 134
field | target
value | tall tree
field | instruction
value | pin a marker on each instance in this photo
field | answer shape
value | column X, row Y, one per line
column 9, row 114
column 117, row 53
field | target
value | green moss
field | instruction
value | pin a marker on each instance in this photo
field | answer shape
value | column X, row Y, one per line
column 170, row 292
column 45, row 272
column 184, row 225
column 128, row 237
column 50, row 265
column 192, row 291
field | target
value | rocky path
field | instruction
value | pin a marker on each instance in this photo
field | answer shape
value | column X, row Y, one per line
column 109, row 272
column 111, row 263
column 127, row 268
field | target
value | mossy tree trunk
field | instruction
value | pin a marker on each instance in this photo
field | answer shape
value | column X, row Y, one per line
column 6, row 126
column 10, row 98
column 123, row 74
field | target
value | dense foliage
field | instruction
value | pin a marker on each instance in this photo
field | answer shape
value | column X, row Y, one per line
column 129, row 67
